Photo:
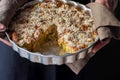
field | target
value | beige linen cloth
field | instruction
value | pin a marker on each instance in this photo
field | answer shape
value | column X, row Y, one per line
column 106, row 23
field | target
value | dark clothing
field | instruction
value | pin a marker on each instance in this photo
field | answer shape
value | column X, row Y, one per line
column 117, row 10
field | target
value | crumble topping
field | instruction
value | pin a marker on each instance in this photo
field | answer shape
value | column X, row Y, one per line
column 71, row 27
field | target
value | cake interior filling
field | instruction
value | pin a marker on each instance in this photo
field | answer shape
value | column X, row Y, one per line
column 49, row 42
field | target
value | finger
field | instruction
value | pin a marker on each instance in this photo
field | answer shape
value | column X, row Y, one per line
column 6, row 42
column 2, row 28
column 100, row 45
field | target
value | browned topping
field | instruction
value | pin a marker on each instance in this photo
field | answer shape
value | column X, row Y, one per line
column 71, row 27
column 14, row 37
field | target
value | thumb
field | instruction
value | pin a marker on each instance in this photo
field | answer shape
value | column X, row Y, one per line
column 100, row 45
column 2, row 28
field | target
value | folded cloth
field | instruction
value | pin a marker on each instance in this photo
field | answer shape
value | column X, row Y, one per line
column 8, row 9
column 106, row 23
column 107, row 26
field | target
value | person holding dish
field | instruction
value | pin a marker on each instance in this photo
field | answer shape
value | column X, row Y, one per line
column 4, row 21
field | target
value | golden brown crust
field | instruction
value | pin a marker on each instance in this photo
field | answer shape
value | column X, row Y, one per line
column 14, row 37
column 69, row 26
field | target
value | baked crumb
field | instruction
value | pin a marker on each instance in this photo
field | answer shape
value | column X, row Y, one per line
column 71, row 28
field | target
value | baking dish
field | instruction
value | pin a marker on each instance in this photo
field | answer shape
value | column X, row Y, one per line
column 50, row 58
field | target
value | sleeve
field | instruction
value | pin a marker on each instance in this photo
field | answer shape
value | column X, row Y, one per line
column 8, row 9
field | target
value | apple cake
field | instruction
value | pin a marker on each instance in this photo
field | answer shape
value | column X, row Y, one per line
column 53, row 27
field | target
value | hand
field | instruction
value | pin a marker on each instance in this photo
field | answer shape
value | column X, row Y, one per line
column 2, row 29
column 100, row 44
column 108, row 3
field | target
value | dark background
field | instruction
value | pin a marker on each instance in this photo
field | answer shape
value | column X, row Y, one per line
column 105, row 65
